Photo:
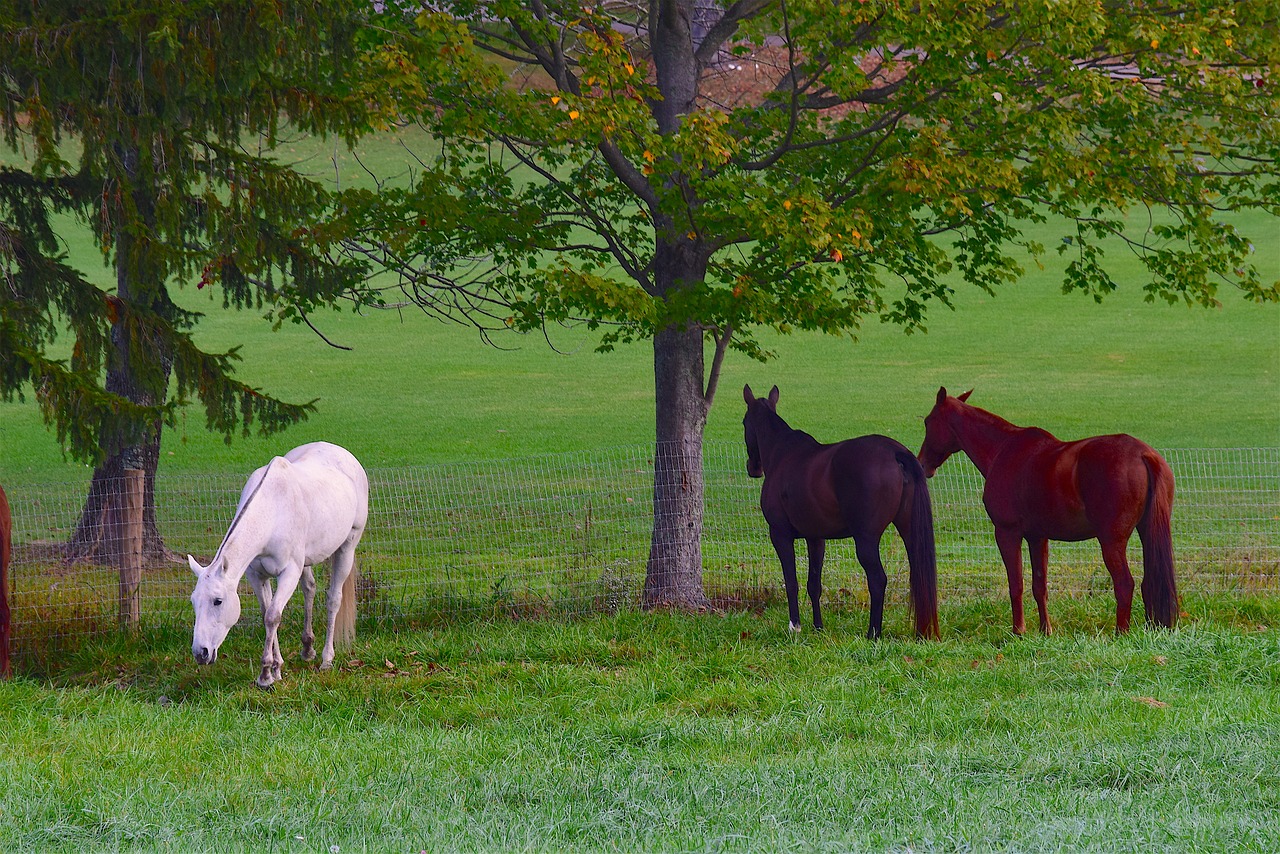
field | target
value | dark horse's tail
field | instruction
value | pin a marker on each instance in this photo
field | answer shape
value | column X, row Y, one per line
column 921, row 554
column 1159, row 589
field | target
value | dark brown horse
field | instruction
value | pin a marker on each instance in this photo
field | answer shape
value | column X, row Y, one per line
column 854, row 488
column 1040, row 489
column 6, row 545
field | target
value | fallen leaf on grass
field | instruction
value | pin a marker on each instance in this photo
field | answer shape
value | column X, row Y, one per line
column 1152, row 702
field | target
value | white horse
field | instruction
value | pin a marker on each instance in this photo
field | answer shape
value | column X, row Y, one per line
column 298, row 510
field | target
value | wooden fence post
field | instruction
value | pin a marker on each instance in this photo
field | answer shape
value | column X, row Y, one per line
column 126, row 532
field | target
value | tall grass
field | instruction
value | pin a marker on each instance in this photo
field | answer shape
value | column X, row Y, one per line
column 663, row 732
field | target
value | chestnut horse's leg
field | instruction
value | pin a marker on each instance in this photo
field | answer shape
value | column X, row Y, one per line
column 1113, row 554
column 817, row 553
column 1039, row 550
column 1010, row 544
column 868, row 550
column 785, row 545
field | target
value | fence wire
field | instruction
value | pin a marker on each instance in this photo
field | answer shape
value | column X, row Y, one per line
column 570, row 533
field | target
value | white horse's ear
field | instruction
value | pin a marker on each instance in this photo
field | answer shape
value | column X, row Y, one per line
column 195, row 566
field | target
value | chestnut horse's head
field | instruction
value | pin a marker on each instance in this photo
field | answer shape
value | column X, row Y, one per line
column 758, row 408
column 940, row 439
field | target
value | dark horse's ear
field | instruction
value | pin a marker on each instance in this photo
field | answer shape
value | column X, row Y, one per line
column 962, row 398
column 773, row 397
column 746, row 393
column 942, row 394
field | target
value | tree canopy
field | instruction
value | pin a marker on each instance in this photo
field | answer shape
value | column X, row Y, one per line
column 694, row 172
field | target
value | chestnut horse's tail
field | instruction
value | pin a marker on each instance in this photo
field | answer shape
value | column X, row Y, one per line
column 921, row 554
column 6, row 546
column 1159, row 589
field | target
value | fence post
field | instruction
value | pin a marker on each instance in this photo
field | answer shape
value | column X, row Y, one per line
column 126, row 533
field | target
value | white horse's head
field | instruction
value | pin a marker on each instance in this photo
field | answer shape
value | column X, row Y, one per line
column 217, row 605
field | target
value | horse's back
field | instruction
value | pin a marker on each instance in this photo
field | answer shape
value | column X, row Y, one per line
column 844, row 489
column 324, row 490
column 331, row 470
column 1071, row 490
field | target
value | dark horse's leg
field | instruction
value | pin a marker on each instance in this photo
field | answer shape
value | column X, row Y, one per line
column 785, row 545
column 868, row 549
column 817, row 552
column 1039, row 550
column 1010, row 544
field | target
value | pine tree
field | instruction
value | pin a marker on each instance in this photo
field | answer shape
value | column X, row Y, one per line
column 152, row 124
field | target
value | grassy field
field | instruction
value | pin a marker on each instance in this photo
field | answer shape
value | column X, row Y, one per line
column 663, row 732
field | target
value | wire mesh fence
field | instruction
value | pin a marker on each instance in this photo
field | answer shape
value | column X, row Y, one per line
column 569, row 534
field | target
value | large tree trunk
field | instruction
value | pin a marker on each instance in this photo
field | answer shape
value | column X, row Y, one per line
column 674, row 572
column 88, row 541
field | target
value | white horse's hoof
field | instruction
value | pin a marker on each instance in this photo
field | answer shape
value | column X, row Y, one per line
column 326, row 665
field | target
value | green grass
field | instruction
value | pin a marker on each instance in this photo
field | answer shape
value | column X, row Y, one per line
column 665, row 732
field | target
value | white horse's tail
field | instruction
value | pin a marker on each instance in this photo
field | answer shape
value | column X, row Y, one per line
column 344, row 624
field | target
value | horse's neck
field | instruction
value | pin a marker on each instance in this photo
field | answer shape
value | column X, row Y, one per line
column 239, row 549
column 250, row 530
column 781, row 437
column 982, row 435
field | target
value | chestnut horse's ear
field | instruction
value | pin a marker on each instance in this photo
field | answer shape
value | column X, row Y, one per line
column 942, row 394
column 773, row 397
column 746, row 393
column 962, row 398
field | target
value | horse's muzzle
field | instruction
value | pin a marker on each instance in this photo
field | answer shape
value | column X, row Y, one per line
column 204, row 655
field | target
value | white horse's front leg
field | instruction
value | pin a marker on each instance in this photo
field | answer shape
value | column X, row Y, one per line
column 261, row 585
column 286, row 584
column 340, row 566
column 308, row 605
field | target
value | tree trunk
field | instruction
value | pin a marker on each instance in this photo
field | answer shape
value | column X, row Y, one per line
column 139, row 371
column 87, row 542
column 674, row 572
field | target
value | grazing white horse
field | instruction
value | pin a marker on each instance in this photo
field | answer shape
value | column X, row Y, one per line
column 298, row 510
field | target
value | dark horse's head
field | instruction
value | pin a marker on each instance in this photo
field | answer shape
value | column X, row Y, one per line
column 758, row 409
column 940, row 439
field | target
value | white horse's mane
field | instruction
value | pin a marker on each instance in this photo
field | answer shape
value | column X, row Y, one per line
column 244, row 505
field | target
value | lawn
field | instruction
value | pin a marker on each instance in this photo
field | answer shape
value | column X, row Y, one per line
column 665, row 732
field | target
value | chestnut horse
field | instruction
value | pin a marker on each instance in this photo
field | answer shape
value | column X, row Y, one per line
column 854, row 488
column 6, row 545
column 1040, row 489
